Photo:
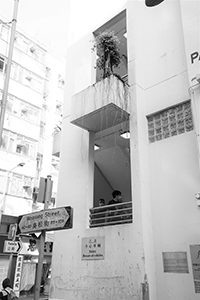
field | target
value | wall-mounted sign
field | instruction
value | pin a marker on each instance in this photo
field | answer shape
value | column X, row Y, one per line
column 18, row 273
column 175, row 262
column 197, row 286
column 12, row 246
column 93, row 248
column 195, row 258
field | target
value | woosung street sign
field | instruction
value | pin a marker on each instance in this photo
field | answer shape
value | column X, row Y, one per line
column 12, row 247
column 48, row 220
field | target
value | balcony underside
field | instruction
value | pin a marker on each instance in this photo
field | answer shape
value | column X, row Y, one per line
column 103, row 118
column 101, row 106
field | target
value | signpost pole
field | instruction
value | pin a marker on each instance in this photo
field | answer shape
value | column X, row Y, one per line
column 10, row 264
column 47, row 199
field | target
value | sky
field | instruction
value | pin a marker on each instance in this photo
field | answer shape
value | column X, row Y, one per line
column 57, row 23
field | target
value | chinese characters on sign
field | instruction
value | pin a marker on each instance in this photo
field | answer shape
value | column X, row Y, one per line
column 51, row 219
column 175, row 262
column 12, row 247
column 18, row 272
column 93, row 248
column 195, row 257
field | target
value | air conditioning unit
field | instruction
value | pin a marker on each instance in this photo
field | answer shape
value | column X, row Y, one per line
column 28, row 77
column 26, row 186
column 33, row 48
column 20, row 146
column 24, row 110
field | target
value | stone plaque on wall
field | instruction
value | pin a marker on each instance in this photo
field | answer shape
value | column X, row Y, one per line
column 175, row 262
column 93, row 248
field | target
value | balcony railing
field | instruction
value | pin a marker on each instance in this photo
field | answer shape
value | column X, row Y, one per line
column 111, row 215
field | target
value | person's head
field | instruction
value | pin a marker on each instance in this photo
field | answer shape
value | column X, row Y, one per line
column 6, row 283
column 117, row 195
column 101, row 202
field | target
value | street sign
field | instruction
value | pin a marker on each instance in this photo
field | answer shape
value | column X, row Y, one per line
column 48, row 220
column 12, row 247
column 12, row 231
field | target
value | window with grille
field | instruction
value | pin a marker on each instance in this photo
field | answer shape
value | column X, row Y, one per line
column 15, row 143
column 2, row 64
column 170, row 122
column 20, row 185
column 24, row 110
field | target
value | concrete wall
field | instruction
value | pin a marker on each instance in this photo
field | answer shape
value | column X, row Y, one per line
column 164, row 174
column 169, row 176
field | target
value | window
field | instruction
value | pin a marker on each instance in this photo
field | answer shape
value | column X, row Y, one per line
column 18, row 144
column 21, row 43
column 36, row 53
column 16, row 72
column 4, row 33
column 13, row 105
column 2, row 64
column 42, row 128
column 47, row 73
column 2, row 180
column 55, row 165
column 11, row 144
column 111, row 172
column 25, row 146
column 27, row 78
column 118, row 26
column 16, row 185
column 37, row 83
column 39, row 161
column 20, row 185
column 5, row 138
column 170, row 122
column 8, row 140
column 22, row 109
column 29, row 112
column 61, row 82
column 59, row 107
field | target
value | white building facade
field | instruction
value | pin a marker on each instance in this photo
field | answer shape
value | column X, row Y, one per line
column 153, row 254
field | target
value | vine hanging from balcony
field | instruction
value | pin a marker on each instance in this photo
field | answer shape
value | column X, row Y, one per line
column 106, row 45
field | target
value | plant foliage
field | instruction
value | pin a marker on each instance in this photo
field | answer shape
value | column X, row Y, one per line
column 106, row 45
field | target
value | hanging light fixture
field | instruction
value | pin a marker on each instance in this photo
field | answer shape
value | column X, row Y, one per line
column 151, row 3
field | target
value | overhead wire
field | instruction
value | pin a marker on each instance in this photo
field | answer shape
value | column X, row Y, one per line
column 6, row 23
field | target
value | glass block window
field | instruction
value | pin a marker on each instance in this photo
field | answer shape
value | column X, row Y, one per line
column 170, row 122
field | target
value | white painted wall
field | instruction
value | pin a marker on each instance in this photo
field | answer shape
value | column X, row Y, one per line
column 169, row 176
column 165, row 175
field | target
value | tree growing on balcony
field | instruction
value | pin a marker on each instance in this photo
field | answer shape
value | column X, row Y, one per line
column 106, row 45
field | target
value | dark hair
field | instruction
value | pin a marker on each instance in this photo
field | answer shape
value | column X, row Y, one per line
column 6, row 283
column 102, row 200
column 116, row 193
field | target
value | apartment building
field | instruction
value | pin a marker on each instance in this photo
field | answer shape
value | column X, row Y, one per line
column 33, row 115
column 154, row 100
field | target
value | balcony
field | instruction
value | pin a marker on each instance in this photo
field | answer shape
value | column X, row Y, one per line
column 56, row 144
column 108, row 215
column 102, row 105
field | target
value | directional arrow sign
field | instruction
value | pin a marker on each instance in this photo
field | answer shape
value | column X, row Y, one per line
column 12, row 247
column 48, row 220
